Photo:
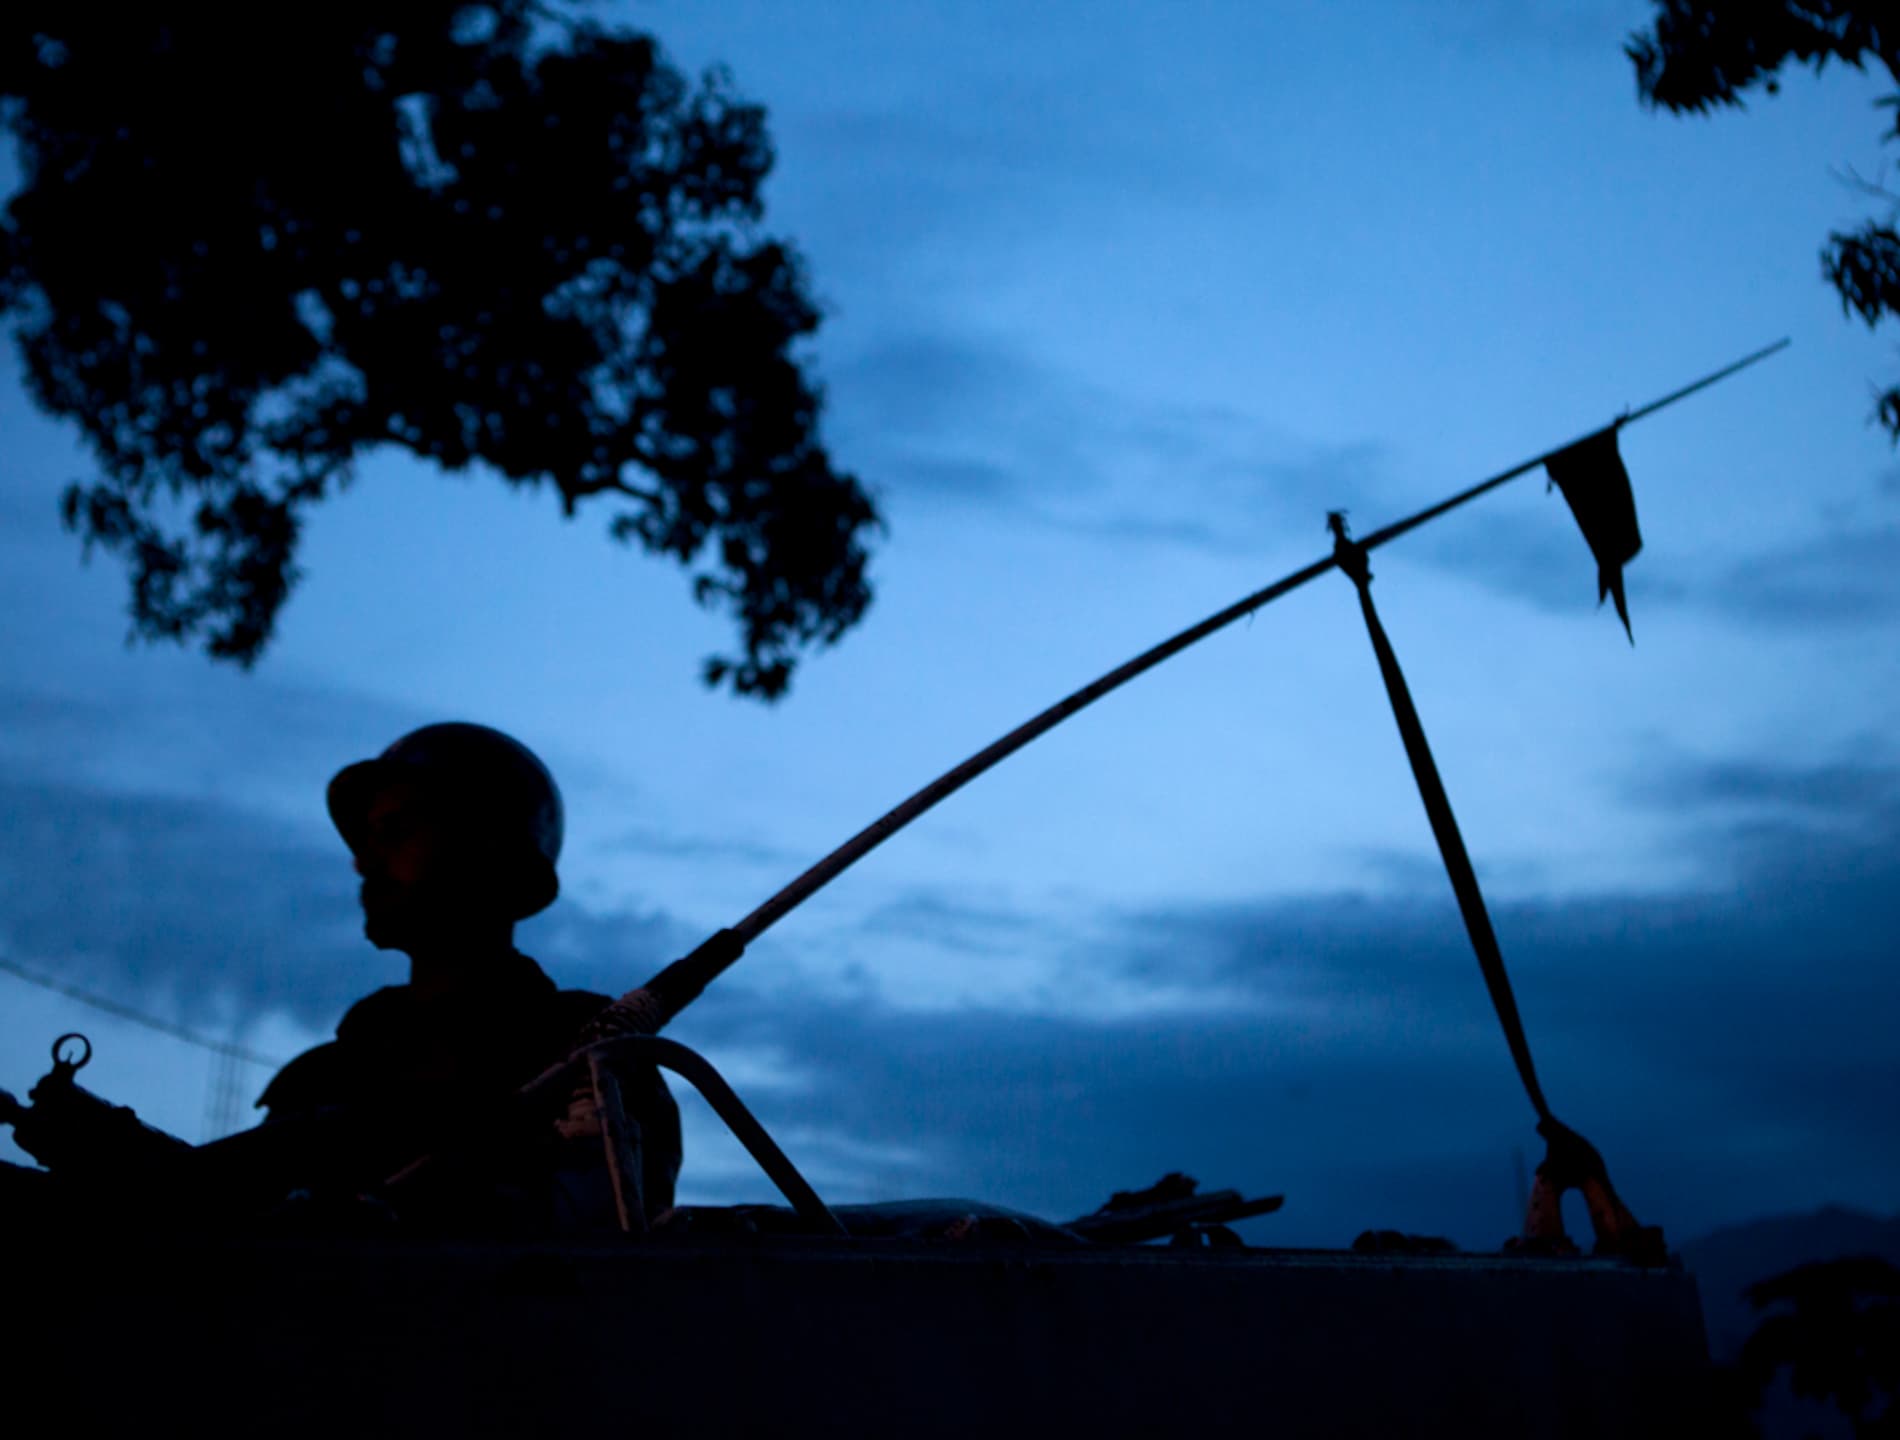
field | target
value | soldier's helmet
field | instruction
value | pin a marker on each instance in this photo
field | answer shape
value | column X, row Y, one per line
column 488, row 781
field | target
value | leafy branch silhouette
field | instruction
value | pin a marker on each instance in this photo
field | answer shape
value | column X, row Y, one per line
column 1705, row 53
column 252, row 246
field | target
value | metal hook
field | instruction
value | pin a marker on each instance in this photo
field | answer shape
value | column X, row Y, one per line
column 71, row 1066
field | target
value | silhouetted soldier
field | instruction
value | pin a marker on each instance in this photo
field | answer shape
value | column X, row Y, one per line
column 455, row 829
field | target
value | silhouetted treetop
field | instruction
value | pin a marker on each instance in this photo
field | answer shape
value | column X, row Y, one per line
column 253, row 243
column 1834, row 1325
column 1707, row 52
column 1704, row 53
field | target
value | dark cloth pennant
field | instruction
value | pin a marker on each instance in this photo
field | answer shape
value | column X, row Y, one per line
column 1597, row 487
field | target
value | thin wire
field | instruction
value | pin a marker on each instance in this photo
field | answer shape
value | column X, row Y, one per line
column 137, row 1017
column 222, row 1100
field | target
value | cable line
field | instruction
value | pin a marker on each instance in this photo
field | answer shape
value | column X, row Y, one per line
column 138, row 1017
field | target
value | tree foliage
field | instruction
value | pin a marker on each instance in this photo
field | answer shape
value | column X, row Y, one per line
column 1834, row 1326
column 1704, row 53
column 253, row 243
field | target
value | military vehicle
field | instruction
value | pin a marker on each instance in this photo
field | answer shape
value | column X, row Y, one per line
column 936, row 1317
column 1149, row 1316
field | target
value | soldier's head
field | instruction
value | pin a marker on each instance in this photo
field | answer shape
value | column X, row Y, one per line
column 455, row 828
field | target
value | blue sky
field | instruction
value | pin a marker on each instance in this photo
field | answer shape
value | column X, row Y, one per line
column 1121, row 300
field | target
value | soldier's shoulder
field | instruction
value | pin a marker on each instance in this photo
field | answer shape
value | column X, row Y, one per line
column 391, row 1008
column 314, row 1079
column 327, row 1074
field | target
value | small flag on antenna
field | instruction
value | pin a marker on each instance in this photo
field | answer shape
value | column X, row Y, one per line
column 1594, row 482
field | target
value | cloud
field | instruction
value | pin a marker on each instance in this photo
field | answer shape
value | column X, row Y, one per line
column 1727, row 1044
column 200, row 908
column 964, row 167
column 1844, row 579
column 974, row 422
column 178, row 727
column 1575, row 28
column 650, row 840
column 1539, row 557
column 1213, row 483
column 948, row 416
column 1853, row 791
column 955, row 924
column 184, row 903
column 1413, row 872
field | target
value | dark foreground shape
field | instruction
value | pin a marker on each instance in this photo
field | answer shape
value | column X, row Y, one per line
column 756, row 1335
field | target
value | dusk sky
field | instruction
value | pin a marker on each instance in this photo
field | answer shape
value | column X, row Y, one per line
column 1121, row 300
